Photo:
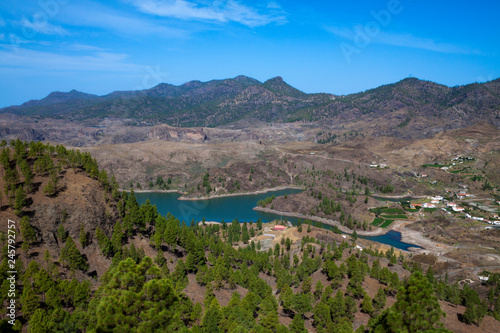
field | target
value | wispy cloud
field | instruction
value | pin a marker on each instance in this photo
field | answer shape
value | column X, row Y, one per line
column 273, row 5
column 99, row 16
column 83, row 47
column 218, row 11
column 341, row 32
column 49, row 61
column 2, row 36
column 44, row 27
column 404, row 40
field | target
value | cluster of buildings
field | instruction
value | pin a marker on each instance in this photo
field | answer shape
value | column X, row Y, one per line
column 494, row 222
column 455, row 207
column 448, row 206
column 461, row 193
column 381, row 165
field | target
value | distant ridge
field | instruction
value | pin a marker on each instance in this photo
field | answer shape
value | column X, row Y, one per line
column 404, row 106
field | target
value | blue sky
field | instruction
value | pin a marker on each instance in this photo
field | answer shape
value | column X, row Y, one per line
column 338, row 47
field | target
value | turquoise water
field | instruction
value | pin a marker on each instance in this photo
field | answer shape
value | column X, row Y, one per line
column 238, row 207
column 228, row 208
column 392, row 238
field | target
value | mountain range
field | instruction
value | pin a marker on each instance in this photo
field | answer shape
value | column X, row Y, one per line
column 409, row 107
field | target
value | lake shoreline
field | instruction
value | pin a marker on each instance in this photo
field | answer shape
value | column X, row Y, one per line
column 153, row 191
column 411, row 239
column 279, row 188
column 324, row 221
column 416, row 237
column 407, row 236
column 182, row 197
column 374, row 196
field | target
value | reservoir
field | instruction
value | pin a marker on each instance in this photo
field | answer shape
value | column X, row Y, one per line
column 216, row 209
column 238, row 207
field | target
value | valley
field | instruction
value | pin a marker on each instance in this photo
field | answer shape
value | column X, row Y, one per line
column 198, row 210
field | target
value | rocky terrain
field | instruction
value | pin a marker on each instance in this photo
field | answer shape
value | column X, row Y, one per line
column 408, row 109
column 85, row 198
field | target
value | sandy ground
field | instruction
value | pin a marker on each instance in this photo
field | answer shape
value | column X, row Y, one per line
column 325, row 221
column 240, row 193
column 152, row 191
column 407, row 235
column 415, row 237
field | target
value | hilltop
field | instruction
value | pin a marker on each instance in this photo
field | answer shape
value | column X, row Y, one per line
column 410, row 108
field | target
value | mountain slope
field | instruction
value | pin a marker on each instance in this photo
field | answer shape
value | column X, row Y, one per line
column 410, row 108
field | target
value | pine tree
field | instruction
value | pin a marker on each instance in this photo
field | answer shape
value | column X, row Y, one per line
column 27, row 233
column 72, row 256
column 306, row 285
column 379, row 301
column 20, row 200
column 47, row 257
column 180, row 273
column 50, row 188
column 82, row 294
column 212, row 318
column 117, row 237
column 322, row 317
column 61, row 233
column 82, row 236
column 160, row 258
column 104, row 242
column 30, row 302
column 366, row 305
column 301, row 304
column 127, row 226
column 52, row 298
column 297, row 325
column 318, row 290
column 43, row 281
column 197, row 312
column 209, row 296
column 337, row 306
column 133, row 253
column 27, row 173
column 416, row 309
column 245, row 237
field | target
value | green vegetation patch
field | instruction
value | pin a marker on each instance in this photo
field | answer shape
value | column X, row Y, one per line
column 196, row 168
column 223, row 162
column 412, row 210
column 434, row 165
column 430, row 210
column 377, row 221
column 386, row 223
column 398, row 216
column 389, row 210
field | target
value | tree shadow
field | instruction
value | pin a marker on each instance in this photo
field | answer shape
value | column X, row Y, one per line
column 92, row 274
column 35, row 187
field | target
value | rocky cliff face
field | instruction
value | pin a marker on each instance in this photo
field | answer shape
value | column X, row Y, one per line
column 169, row 133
